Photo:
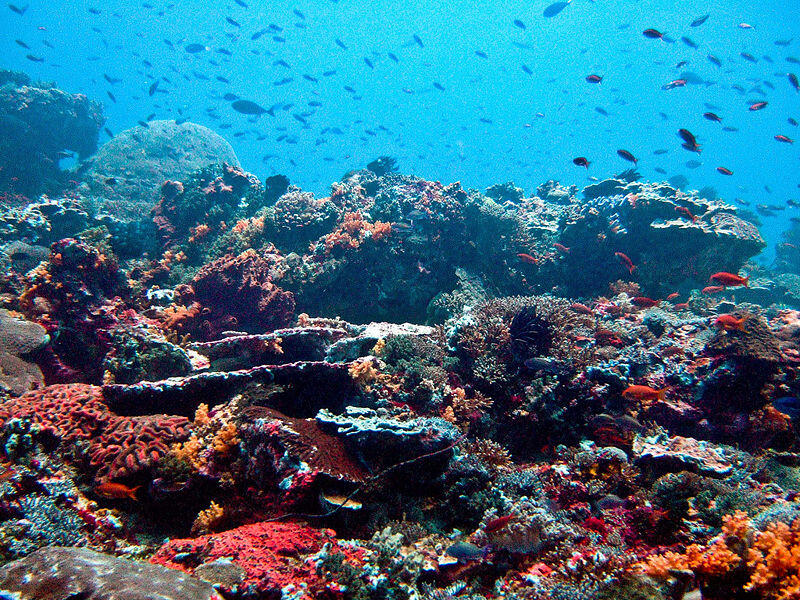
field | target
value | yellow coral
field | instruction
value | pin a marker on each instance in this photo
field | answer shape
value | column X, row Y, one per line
column 207, row 519
column 225, row 439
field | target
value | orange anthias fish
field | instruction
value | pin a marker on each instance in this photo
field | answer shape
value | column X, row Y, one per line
column 116, row 491
column 673, row 295
column 561, row 248
column 686, row 213
column 644, row 302
column 728, row 322
column 713, row 289
column 625, row 260
column 527, row 258
column 729, row 279
column 498, row 523
column 644, row 393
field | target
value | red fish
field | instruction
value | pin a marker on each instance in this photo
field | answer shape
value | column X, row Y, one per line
column 116, row 491
column 712, row 289
column 672, row 296
column 724, row 171
column 627, row 156
column 561, row 248
column 729, row 279
column 686, row 213
column 581, row 309
column 728, row 322
column 581, row 162
column 644, row 301
column 527, row 258
column 758, row 105
column 682, row 306
column 498, row 523
column 643, row 393
column 623, row 258
column 712, row 117
column 784, row 139
column 594, row 78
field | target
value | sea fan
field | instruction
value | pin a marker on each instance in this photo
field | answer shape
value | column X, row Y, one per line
column 531, row 335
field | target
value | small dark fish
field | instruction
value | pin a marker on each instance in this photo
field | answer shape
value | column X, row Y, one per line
column 195, row 48
column 699, row 20
column 527, row 69
column 242, row 3
column 712, row 117
column 32, row 58
column 153, row 88
column 229, row 97
column 113, row 98
column 793, row 80
column 233, row 22
column 724, row 171
column 340, row 43
column 714, row 60
column 689, row 42
column 246, row 107
column 690, row 142
column 554, row 9
column 466, row 551
column 748, row 57
column 660, row 151
column 627, row 156
column 393, row 57
column 330, row 73
column 109, row 133
column 20, row 10
column 298, row 14
column 418, row 40
column 594, row 78
column 23, row 44
column 480, row 54
column 784, row 139
column 368, row 62
column 792, row 121
column 581, row 162
column 310, row 78
column 653, row 34
column 438, row 86
column 519, row 24
column 693, row 164
column 601, row 110
column 94, row 11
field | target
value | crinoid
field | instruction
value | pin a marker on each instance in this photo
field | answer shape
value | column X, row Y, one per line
column 531, row 334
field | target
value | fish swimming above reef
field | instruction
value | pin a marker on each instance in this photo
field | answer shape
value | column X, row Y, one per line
column 247, row 107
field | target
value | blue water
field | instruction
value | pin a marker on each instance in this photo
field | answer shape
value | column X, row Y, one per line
column 537, row 123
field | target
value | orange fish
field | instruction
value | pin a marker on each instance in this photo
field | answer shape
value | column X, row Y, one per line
column 581, row 308
column 116, row 491
column 625, row 260
column 645, row 302
column 728, row 322
column 527, row 258
column 729, row 279
column 561, row 248
column 498, row 523
column 644, row 393
column 672, row 296
column 724, row 170
column 682, row 306
column 713, row 289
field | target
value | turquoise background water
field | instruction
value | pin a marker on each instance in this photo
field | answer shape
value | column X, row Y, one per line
column 538, row 123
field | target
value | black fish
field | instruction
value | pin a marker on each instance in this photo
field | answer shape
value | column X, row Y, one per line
column 195, row 48
column 113, row 99
column 153, row 88
column 627, row 156
column 232, row 22
column 519, row 24
column 481, row 54
column 20, row 10
column 368, row 62
column 714, row 60
column 418, row 40
column 393, row 57
column 33, row 58
column 546, row 366
column 23, row 44
column 699, row 21
column 340, row 43
column 793, row 80
column 690, row 142
column 527, row 69
column 246, row 107
column 554, row 9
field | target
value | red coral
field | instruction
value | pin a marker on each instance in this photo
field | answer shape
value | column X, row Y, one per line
column 239, row 293
column 274, row 556
column 116, row 446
